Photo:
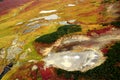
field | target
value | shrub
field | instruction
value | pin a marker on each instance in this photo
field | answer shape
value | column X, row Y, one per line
column 52, row 37
column 116, row 23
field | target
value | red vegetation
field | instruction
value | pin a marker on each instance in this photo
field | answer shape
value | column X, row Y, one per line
column 45, row 74
column 6, row 5
column 48, row 73
column 30, row 6
column 105, row 50
column 39, row 3
column 26, row 72
column 100, row 31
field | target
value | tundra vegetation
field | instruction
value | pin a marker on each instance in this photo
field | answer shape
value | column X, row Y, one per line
column 62, row 30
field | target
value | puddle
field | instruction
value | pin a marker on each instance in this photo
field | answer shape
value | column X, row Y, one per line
column 71, row 5
column 51, row 17
column 19, row 23
column 35, row 26
column 63, row 23
column 47, row 11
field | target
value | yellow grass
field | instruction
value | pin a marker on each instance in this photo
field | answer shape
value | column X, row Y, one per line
column 9, row 30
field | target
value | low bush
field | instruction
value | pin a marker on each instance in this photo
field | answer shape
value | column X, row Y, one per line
column 52, row 37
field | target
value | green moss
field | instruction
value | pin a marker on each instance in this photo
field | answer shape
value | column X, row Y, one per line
column 106, row 71
column 52, row 37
